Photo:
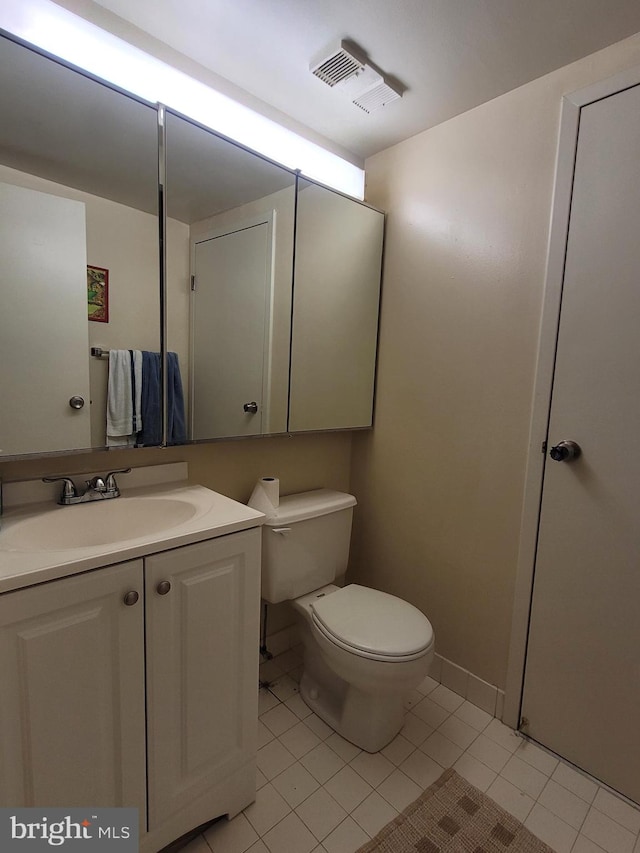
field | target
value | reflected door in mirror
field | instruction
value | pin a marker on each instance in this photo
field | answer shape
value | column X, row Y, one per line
column 238, row 211
column 231, row 321
column 74, row 144
column 43, row 330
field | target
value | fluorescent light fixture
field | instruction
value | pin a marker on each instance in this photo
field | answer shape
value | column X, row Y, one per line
column 63, row 34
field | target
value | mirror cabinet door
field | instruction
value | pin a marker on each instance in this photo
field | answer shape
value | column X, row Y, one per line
column 79, row 244
column 80, row 271
column 230, row 246
column 338, row 258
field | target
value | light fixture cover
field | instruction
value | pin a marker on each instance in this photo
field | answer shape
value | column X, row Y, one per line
column 58, row 31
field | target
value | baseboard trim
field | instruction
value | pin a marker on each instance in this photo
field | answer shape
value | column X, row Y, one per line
column 480, row 693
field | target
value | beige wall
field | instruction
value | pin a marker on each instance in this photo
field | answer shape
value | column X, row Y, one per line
column 440, row 479
column 231, row 467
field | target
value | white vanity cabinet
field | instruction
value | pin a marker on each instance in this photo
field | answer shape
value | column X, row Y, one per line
column 75, row 656
column 72, row 703
column 202, row 680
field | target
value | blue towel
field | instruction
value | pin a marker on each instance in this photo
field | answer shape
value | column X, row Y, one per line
column 151, row 434
column 176, row 429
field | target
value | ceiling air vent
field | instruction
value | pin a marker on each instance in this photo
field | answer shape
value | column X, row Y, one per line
column 377, row 97
column 337, row 66
column 347, row 72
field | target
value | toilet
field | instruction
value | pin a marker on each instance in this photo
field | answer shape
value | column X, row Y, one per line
column 364, row 650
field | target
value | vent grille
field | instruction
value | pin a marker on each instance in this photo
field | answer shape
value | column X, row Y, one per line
column 347, row 70
column 376, row 98
column 338, row 67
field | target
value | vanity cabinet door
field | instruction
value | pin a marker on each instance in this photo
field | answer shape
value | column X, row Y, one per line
column 72, row 698
column 202, row 678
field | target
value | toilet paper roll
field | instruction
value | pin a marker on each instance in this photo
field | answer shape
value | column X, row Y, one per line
column 265, row 496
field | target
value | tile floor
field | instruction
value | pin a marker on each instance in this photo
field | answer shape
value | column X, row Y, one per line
column 317, row 793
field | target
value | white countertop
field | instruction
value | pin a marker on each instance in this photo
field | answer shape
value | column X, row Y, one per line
column 215, row 515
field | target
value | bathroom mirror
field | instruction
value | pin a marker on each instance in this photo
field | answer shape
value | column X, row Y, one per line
column 79, row 196
column 230, row 241
column 338, row 259
column 78, row 189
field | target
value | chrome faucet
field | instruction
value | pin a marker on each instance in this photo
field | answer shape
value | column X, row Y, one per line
column 97, row 489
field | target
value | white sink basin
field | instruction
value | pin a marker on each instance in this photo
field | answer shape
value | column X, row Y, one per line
column 41, row 541
column 98, row 523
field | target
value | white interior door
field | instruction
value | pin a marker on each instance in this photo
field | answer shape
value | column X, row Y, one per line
column 231, row 316
column 582, row 677
column 44, row 340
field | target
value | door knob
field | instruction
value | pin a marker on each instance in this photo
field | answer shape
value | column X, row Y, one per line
column 565, row 451
column 76, row 402
column 250, row 408
column 131, row 598
column 163, row 587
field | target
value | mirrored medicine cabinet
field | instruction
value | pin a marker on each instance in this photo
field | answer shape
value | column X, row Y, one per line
column 265, row 285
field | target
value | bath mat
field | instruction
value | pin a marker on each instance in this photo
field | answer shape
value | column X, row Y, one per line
column 454, row 817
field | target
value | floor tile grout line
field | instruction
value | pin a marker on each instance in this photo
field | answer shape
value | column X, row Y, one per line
column 367, row 781
column 419, row 747
column 293, row 811
column 499, row 773
column 590, row 804
column 593, row 806
column 599, row 786
column 549, row 777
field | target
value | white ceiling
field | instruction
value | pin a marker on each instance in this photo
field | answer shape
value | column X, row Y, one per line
column 450, row 54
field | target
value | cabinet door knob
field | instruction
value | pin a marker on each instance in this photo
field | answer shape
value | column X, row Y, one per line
column 163, row 587
column 131, row 598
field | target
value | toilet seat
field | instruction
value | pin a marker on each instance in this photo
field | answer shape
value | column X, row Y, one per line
column 372, row 624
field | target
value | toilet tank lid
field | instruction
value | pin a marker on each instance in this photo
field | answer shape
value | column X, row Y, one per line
column 307, row 505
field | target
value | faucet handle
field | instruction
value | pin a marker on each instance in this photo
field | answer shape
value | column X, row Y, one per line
column 111, row 484
column 69, row 488
column 97, row 484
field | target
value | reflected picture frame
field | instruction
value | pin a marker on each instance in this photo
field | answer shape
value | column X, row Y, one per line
column 98, row 294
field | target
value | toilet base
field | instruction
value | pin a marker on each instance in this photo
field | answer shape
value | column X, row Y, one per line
column 370, row 722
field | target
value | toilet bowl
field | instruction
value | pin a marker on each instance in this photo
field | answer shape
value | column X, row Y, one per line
column 364, row 650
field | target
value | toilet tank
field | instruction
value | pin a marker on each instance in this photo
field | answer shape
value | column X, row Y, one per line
column 305, row 543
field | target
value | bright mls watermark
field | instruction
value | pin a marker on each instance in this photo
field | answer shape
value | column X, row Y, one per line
column 73, row 830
